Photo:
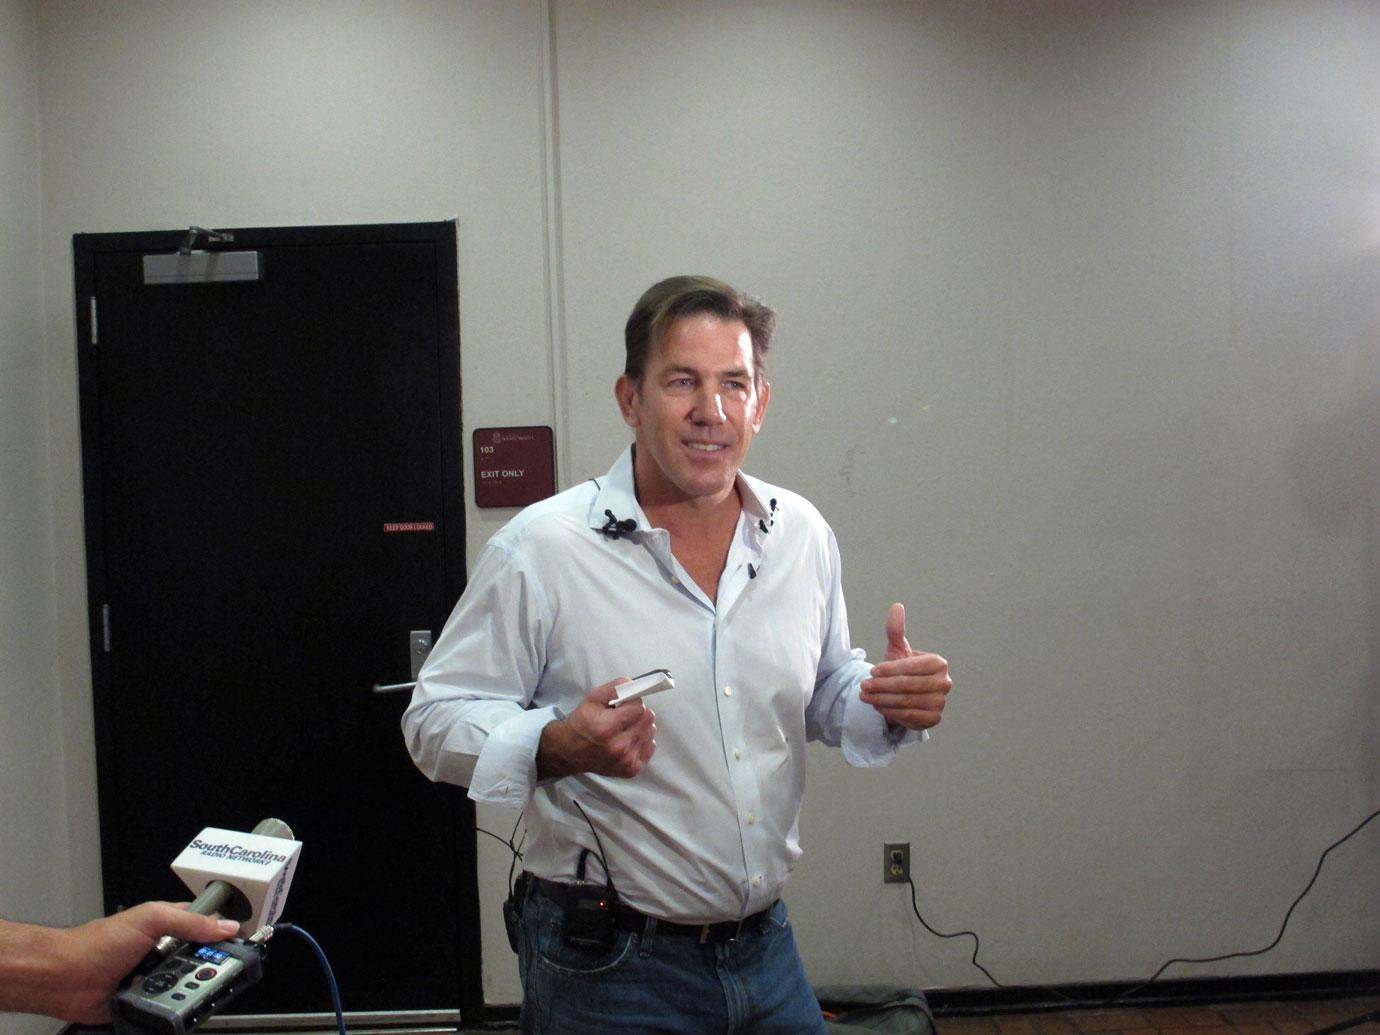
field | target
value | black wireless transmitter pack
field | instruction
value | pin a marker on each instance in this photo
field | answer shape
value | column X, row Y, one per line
column 590, row 915
column 591, row 910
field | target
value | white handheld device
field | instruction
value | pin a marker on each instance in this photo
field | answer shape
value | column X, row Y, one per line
column 653, row 682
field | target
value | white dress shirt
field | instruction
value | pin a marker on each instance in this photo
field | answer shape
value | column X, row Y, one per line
column 708, row 830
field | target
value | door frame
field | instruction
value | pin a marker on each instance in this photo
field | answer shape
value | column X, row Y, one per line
column 86, row 246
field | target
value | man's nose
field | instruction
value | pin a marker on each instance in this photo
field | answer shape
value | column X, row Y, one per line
column 709, row 407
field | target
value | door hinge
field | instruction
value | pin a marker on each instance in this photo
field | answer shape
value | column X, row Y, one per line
column 95, row 333
column 105, row 627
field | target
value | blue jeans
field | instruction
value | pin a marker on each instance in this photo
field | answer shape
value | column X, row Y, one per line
column 659, row 981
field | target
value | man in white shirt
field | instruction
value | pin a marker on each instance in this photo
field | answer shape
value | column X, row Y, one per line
column 660, row 842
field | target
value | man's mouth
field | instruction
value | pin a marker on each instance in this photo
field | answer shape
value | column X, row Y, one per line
column 707, row 447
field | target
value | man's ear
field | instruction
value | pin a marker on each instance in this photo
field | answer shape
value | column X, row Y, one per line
column 763, row 397
column 625, row 391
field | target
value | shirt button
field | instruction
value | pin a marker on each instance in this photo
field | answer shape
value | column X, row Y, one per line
column 751, row 818
column 737, row 753
column 757, row 881
column 728, row 691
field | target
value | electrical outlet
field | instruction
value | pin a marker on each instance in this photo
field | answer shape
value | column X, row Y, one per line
column 896, row 863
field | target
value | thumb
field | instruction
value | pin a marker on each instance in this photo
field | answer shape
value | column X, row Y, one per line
column 897, row 646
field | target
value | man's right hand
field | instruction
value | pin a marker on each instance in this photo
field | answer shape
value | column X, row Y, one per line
column 595, row 738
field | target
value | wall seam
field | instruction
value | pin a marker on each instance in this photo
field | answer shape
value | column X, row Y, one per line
column 554, row 257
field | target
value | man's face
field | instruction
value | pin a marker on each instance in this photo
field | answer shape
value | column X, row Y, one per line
column 695, row 412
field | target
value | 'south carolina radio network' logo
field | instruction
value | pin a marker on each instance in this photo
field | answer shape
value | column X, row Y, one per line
column 238, row 853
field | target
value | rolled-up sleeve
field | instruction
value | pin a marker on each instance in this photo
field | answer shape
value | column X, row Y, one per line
column 471, row 720
column 837, row 715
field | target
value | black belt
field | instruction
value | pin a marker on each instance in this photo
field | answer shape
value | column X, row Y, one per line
column 629, row 919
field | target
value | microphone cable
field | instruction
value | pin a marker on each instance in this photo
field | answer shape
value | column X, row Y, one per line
column 603, row 860
column 512, row 844
column 325, row 967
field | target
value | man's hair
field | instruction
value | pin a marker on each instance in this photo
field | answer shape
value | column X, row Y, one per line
column 665, row 302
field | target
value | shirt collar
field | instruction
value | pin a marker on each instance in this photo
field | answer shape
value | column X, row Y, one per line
column 617, row 496
column 617, row 499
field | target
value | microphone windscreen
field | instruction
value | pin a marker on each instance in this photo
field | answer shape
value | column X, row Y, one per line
column 274, row 828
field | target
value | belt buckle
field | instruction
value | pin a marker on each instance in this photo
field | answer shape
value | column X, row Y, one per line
column 706, row 929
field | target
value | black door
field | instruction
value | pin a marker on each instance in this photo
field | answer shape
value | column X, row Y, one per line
column 273, row 504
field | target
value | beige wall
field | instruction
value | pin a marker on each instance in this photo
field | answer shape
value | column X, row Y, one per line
column 1079, row 353
column 33, row 826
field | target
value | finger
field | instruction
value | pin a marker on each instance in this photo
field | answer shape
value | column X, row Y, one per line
column 631, row 751
column 901, row 687
column 896, row 642
column 636, row 737
column 205, row 928
column 918, row 663
column 627, row 716
column 605, row 693
column 924, row 701
column 156, row 919
column 927, row 693
column 928, row 699
column 934, row 702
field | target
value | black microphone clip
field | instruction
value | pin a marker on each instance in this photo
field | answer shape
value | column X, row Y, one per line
column 614, row 529
column 765, row 526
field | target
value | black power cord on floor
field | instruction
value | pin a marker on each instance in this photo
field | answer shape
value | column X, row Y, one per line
column 1278, row 937
column 977, row 944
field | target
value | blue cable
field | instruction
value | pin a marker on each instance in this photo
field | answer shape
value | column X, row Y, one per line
column 325, row 966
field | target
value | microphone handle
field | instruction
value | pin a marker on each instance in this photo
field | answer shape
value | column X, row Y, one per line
column 213, row 899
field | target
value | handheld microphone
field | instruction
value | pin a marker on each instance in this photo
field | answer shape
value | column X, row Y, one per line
column 217, row 863
column 221, row 897
column 244, row 877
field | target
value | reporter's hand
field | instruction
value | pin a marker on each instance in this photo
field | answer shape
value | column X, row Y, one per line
column 71, row 973
column 595, row 738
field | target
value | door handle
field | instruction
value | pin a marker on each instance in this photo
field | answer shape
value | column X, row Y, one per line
column 418, row 650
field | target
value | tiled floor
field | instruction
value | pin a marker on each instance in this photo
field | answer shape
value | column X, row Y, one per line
column 1254, row 1018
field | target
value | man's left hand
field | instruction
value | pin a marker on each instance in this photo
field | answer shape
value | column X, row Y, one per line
column 910, row 687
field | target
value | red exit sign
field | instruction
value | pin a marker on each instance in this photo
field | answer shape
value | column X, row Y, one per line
column 513, row 466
